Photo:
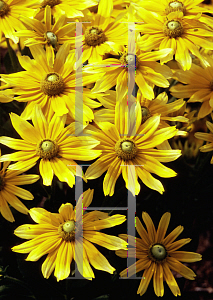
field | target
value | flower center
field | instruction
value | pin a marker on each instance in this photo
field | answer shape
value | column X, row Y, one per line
column 175, row 6
column 145, row 113
column 129, row 61
column 94, row 36
column 67, row 230
column 51, row 3
column 1, row 182
column 211, row 85
column 157, row 252
column 51, row 38
column 173, row 29
column 4, row 8
column 47, row 149
column 52, row 84
column 125, row 149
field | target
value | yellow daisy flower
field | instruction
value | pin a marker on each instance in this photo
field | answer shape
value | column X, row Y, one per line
column 54, row 145
column 10, row 11
column 175, row 31
column 69, row 8
column 157, row 106
column 157, row 255
column 54, row 89
column 52, row 36
column 9, row 190
column 101, row 35
column 147, row 74
column 124, row 147
column 59, row 235
column 208, row 137
column 190, row 9
column 198, row 86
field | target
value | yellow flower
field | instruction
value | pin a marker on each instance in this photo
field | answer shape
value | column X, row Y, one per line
column 10, row 10
column 52, row 36
column 52, row 88
column 198, row 86
column 190, row 9
column 157, row 106
column 9, row 190
column 102, row 35
column 124, row 147
column 147, row 74
column 208, row 137
column 164, row 7
column 59, row 235
column 54, row 145
column 69, row 8
column 157, row 255
column 175, row 31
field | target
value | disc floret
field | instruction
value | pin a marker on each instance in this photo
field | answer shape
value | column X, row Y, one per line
column 173, row 28
column 125, row 149
column 51, row 3
column 52, row 84
column 175, row 6
column 94, row 36
column 4, row 8
column 67, row 230
column 51, row 38
column 146, row 114
column 157, row 252
column 47, row 149
column 129, row 61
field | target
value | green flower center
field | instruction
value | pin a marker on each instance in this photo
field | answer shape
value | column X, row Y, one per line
column 51, row 3
column 125, row 149
column 4, row 9
column 129, row 61
column 145, row 113
column 51, row 38
column 94, row 36
column 52, row 84
column 67, row 230
column 68, row 226
column 158, row 252
column 173, row 28
column 47, row 149
column 175, row 6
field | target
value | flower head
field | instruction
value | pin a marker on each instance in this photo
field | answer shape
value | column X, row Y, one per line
column 61, row 236
column 198, row 86
column 52, row 144
column 53, row 88
column 157, row 255
column 10, row 10
column 9, row 179
column 52, row 36
column 129, row 148
column 148, row 72
column 175, row 31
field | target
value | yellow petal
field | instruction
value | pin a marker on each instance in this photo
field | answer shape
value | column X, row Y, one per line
column 104, row 240
column 96, row 259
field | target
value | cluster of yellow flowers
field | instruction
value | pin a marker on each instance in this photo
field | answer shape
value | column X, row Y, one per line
column 98, row 86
